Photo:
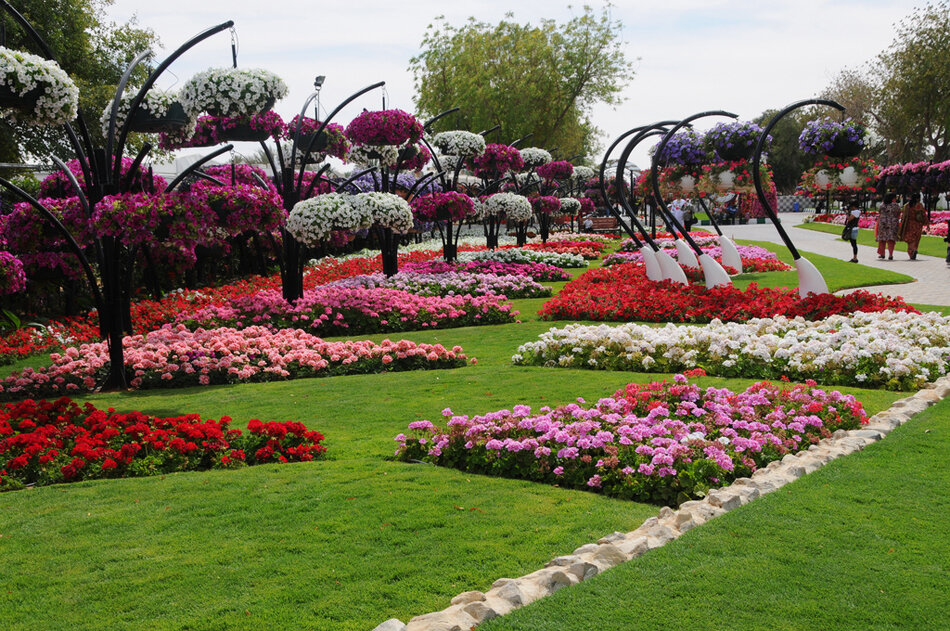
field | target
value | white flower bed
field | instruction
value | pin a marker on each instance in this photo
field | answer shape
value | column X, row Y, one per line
column 518, row 255
column 886, row 349
column 312, row 220
column 22, row 73
column 386, row 209
column 459, row 143
column 232, row 92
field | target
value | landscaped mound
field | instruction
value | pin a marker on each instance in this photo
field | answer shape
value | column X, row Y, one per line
column 662, row 443
column 47, row 442
column 624, row 293
column 173, row 357
column 897, row 351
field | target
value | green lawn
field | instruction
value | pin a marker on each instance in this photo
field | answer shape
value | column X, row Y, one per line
column 340, row 544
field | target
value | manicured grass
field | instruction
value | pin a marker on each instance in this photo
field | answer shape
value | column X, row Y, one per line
column 859, row 544
column 929, row 245
column 340, row 544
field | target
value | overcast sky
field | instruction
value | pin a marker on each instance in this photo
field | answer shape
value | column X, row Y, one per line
column 744, row 56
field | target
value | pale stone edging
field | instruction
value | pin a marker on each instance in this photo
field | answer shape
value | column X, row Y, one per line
column 469, row 609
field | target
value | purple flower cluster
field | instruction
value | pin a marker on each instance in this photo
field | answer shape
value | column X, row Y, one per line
column 685, row 147
column 384, row 127
column 450, row 206
column 496, row 161
column 737, row 138
column 646, row 443
column 819, row 136
column 557, row 170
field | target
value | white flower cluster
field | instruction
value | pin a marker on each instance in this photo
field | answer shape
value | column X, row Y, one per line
column 155, row 103
column 232, row 92
column 582, row 174
column 890, row 349
column 387, row 210
column 450, row 162
column 515, row 207
column 312, row 220
column 57, row 101
column 526, row 178
column 570, row 206
column 521, row 255
column 459, row 143
column 369, row 155
column 535, row 157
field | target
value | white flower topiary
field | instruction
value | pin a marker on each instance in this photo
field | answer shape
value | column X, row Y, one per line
column 25, row 74
column 387, row 210
column 312, row 220
column 535, row 157
column 459, row 143
column 583, row 174
column 570, row 206
column 232, row 92
column 516, row 208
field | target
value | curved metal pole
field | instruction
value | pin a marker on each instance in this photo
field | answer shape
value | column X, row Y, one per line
column 197, row 165
column 113, row 113
column 489, row 131
column 522, row 139
column 74, row 246
column 355, row 177
column 330, row 116
column 422, row 181
column 709, row 214
column 757, row 158
column 428, row 124
column 150, row 81
column 655, row 166
column 136, row 164
column 627, row 207
column 316, row 178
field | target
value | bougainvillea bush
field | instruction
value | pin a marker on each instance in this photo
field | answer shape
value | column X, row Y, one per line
column 353, row 310
column 47, row 442
column 623, row 293
column 662, row 442
column 878, row 350
column 173, row 357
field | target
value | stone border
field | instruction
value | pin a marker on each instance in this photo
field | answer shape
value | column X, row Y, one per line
column 470, row 609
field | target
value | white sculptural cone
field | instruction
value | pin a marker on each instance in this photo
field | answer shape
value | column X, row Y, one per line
column 810, row 280
column 671, row 270
column 649, row 261
column 730, row 254
column 685, row 254
column 713, row 272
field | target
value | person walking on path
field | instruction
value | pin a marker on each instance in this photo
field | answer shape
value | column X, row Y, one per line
column 850, row 231
column 913, row 220
column 888, row 224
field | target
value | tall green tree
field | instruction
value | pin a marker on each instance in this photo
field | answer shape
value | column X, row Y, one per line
column 542, row 80
column 92, row 49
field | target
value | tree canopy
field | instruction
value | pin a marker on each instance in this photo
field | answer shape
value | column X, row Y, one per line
column 542, row 80
column 93, row 50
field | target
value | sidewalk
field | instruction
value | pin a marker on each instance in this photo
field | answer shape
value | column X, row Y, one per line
column 932, row 286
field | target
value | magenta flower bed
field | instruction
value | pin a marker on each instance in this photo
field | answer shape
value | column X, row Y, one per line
column 541, row 272
column 663, row 442
column 176, row 357
column 331, row 310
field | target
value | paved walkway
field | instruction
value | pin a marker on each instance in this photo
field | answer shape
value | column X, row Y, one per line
column 932, row 286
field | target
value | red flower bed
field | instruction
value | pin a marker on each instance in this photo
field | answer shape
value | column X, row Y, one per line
column 623, row 293
column 47, row 442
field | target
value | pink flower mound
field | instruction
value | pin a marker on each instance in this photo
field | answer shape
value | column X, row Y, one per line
column 384, row 127
column 654, row 443
column 333, row 310
column 174, row 357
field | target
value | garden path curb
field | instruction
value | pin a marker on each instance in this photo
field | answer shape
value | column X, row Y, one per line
column 470, row 609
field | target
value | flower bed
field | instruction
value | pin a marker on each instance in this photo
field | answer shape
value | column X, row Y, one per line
column 662, row 443
column 537, row 271
column 353, row 310
column 589, row 250
column 754, row 258
column 175, row 357
column 450, row 283
column 897, row 351
column 623, row 293
column 47, row 442
column 521, row 255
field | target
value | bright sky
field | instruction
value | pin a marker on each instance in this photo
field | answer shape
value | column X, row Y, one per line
column 743, row 56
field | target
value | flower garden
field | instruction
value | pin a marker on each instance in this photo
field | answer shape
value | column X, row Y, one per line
column 480, row 441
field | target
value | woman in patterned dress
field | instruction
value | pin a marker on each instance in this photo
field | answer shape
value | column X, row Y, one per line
column 888, row 224
column 913, row 220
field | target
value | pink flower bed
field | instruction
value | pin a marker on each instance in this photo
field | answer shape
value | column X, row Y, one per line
column 176, row 357
column 348, row 310
column 537, row 271
column 660, row 442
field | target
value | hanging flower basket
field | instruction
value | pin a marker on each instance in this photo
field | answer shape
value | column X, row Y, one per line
column 844, row 147
column 257, row 128
column 413, row 157
column 685, row 147
column 232, row 92
column 535, row 157
column 459, row 143
column 384, row 127
column 157, row 113
column 734, row 141
column 36, row 91
column 831, row 138
column 242, row 132
column 148, row 123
